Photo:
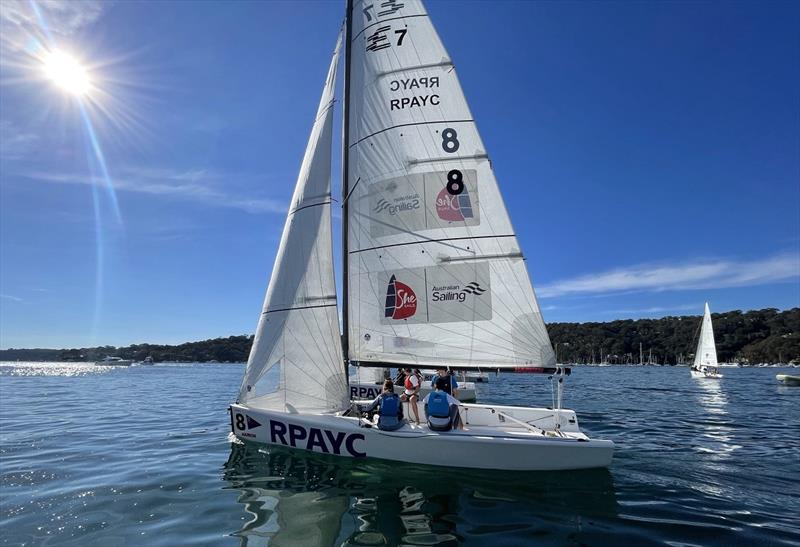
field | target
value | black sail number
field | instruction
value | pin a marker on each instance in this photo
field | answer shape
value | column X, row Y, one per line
column 455, row 182
column 380, row 38
column 240, row 424
column 450, row 142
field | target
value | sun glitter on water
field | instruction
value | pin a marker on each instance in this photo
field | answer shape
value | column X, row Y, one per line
column 67, row 73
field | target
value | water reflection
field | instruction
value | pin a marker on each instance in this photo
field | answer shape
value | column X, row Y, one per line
column 22, row 368
column 715, row 441
column 716, row 438
column 288, row 501
column 711, row 396
column 292, row 497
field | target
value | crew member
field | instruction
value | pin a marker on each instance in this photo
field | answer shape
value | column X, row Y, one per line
column 390, row 410
column 411, row 393
column 442, row 409
column 450, row 383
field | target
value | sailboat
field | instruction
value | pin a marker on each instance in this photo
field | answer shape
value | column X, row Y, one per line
column 705, row 356
column 433, row 274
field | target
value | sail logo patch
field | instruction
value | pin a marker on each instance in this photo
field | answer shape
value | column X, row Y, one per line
column 403, row 203
column 418, row 202
column 381, row 206
column 401, row 301
column 453, row 207
column 450, row 293
column 474, row 288
column 457, row 293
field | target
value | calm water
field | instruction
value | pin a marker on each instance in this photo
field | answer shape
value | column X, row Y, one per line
column 141, row 456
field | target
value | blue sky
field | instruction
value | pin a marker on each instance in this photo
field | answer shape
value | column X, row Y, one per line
column 648, row 153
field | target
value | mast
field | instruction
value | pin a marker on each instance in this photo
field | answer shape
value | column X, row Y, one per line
column 348, row 37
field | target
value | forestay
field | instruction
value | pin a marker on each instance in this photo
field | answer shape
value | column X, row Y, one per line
column 706, row 354
column 296, row 359
column 436, row 274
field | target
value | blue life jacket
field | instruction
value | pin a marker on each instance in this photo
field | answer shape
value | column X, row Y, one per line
column 390, row 405
column 438, row 405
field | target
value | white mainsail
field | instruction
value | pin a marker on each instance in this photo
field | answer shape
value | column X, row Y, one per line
column 296, row 362
column 435, row 272
column 706, row 353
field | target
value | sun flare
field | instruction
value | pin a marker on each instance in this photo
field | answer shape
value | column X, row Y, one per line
column 67, row 73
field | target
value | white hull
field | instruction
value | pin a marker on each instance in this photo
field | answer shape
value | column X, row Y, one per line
column 490, row 441
column 115, row 363
column 788, row 380
column 478, row 378
column 704, row 374
column 365, row 390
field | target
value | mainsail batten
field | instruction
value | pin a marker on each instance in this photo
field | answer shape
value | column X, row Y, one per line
column 435, row 272
column 295, row 363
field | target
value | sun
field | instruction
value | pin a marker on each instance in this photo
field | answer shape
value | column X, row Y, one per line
column 67, row 73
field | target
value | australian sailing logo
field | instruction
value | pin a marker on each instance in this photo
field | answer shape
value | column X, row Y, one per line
column 453, row 207
column 447, row 293
column 401, row 301
column 397, row 205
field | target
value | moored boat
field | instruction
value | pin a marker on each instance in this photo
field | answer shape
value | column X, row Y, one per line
column 114, row 361
column 788, row 379
column 476, row 377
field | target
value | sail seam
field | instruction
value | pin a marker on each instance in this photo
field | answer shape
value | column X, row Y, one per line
column 299, row 308
column 431, row 241
column 382, row 21
column 415, row 67
column 359, row 141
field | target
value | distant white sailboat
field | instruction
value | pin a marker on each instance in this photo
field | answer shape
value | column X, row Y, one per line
column 705, row 356
column 433, row 272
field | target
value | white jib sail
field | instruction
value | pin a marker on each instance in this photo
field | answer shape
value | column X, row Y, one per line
column 296, row 362
column 436, row 274
column 706, row 353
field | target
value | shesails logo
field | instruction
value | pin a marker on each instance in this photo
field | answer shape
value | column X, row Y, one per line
column 453, row 207
column 401, row 301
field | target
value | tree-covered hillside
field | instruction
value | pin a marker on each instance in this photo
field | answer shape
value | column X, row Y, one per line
column 233, row 349
column 752, row 337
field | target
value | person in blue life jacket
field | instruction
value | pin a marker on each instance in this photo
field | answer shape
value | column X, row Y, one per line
column 390, row 410
column 450, row 385
column 442, row 409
